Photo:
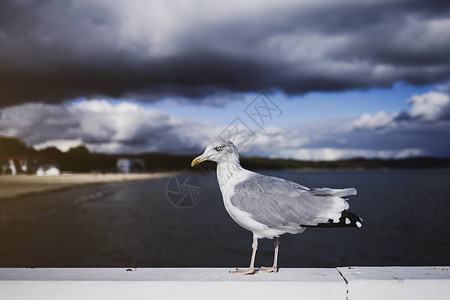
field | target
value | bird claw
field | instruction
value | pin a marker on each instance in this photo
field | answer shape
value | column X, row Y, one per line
column 269, row 270
column 244, row 272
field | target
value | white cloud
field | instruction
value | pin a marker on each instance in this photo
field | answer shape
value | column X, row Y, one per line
column 430, row 106
column 277, row 141
column 335, row 154
column 62, row 145
column 408, row 152
column 379, row 120
column 103, row 127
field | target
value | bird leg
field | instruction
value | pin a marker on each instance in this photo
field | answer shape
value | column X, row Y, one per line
column 274, row 268
column 251, row 270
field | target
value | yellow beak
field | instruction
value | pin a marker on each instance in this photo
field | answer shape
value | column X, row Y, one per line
column 198, row 160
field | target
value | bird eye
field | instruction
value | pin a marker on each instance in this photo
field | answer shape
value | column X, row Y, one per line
column 218, row 148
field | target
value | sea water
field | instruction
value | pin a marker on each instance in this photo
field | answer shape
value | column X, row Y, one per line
column 139, row 224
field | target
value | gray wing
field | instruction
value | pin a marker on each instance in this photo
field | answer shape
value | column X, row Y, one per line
column 279, row 203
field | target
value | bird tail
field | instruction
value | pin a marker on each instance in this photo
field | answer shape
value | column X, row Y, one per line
column 335, row 213
column 347, row 219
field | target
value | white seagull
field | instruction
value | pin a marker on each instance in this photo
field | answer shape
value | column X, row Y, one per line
column 270, row 206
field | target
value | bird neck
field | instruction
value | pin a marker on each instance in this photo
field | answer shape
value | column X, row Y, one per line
column 229, row 171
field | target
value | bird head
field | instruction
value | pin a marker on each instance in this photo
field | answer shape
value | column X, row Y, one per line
column 219, row 150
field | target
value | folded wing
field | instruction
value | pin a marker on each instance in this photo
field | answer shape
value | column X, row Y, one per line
column 283, row 204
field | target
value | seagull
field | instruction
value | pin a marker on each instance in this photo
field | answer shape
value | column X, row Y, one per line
column 270, row 206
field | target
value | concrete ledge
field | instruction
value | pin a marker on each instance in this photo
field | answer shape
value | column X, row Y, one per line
column 168, row 283
column 217, row 283
column 397, row 282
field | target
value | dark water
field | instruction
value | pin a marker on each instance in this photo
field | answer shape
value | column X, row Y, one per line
column 406, row 222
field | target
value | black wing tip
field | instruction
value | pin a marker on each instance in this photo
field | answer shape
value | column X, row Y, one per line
column 347, row 219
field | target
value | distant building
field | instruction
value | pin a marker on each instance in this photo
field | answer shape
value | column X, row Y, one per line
column 23, row 165
column 48, row 171
column 130, row 165
column 15, row 165
column 10, row 167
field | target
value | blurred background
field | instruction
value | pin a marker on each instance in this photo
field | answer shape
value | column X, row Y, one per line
column 103, row 105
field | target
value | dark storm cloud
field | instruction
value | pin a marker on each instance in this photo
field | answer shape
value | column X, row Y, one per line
column 56, row 50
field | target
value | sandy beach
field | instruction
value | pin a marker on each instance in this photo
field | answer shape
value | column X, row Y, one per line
column 14, row 186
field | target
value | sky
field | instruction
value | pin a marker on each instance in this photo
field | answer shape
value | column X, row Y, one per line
column 314, row 80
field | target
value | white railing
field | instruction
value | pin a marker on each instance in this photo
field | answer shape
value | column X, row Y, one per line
column 217, row 283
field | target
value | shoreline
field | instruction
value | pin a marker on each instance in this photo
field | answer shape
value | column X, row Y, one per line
column 23, row 185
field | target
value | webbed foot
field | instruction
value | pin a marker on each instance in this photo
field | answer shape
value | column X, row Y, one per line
column 269, row 270
column 244, row 272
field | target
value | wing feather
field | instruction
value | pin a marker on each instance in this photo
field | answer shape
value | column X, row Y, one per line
column 279, row 203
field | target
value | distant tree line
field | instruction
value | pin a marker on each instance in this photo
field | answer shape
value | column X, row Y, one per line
column 80, row 159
